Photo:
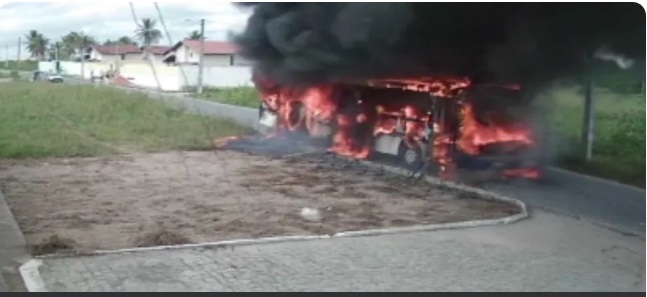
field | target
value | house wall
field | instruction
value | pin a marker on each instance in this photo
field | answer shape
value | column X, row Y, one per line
column 185, row 55
column 217, row 76
column 132, row 57
column 217, row 60
column 240, row 61
column 94, row 55
column 182, row 55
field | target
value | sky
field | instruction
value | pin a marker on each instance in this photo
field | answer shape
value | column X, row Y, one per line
column 112, row 19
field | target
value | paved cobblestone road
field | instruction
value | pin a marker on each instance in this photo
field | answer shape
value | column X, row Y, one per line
column 548, row 253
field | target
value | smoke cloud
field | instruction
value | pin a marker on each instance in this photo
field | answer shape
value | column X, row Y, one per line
column 531, row 43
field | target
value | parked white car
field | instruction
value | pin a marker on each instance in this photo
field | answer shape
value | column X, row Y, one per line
column 47, row 76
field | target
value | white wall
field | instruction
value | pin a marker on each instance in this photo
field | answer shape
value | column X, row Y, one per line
column 132, row 57
column 240, row 61
column 67, row 68
column 170, row 77
column 218, row 76
column 217, row 60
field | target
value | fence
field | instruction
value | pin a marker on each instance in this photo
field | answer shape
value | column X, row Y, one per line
column 218, row 76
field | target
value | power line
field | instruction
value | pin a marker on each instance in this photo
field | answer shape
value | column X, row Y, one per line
column 146, row 47
column 170, row 39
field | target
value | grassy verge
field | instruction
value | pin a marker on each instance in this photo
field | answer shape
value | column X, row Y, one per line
column 241, row 96
column 22, row 66
column 619, row 151
column 9, row 74
column 58, row 120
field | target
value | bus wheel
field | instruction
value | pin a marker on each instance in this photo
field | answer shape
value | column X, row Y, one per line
column 411, row 158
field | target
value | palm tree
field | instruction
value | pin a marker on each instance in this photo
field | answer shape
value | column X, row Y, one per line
column 147, row 33
column 36, row 44
column 195, row 35
column 75, row 42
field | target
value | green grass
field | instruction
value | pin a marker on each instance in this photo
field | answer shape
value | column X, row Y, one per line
column 57, row 120
column 241, row 96
column 619, row 149
column 10, row 74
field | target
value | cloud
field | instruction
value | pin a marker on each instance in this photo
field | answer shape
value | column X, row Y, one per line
column 113, row 19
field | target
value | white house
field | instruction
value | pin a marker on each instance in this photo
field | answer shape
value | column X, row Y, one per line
column 216, row 53
column 117, row 52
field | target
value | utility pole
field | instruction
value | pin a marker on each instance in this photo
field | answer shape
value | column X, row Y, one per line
column 588, row 133
column 201, row 63
column 118, row 58
column 6, row 56
column 18, row 55
column 82, row 56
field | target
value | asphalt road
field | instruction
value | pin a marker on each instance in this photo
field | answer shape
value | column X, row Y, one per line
column 610, row 204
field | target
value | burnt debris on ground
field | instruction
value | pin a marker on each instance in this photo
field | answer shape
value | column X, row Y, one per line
column 306, row 150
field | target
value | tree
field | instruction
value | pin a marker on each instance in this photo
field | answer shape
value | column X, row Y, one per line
column 126, row 40
column 55, row 50
column 194, row 35
column 36, row 44
column 231, row 35
column 147, row 33
column 77, row 43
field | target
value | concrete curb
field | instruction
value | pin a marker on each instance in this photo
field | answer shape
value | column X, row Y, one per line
column 31, row 276
column 12, row 243
column 610, row 183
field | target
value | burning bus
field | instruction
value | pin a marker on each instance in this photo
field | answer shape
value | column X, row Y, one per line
column 438, row 123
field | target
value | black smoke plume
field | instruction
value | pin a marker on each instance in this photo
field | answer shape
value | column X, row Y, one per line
column 309, row 43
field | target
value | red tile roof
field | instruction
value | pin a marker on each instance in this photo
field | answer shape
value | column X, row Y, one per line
column 159, row 49
column 115, row 50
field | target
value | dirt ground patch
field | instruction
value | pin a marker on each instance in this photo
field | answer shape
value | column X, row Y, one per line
column 182, row 197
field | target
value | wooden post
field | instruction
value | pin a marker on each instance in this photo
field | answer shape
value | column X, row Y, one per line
column 588, row 133
column 18, row 55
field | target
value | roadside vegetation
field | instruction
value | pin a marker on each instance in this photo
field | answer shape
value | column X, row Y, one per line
column 58, row 120
column 9, row 74
column 22, row 66
column 619, row 147
column 241, row 96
